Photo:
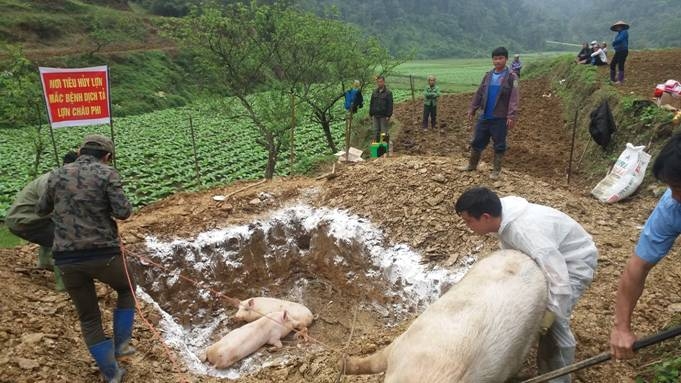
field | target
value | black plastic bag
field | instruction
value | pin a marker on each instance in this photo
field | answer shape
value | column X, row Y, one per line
column 602, row 125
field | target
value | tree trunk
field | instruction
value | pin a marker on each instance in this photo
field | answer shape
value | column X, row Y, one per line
column 326, row 126
column 272, row 154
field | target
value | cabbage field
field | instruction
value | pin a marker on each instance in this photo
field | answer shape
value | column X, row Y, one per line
column 154, row 151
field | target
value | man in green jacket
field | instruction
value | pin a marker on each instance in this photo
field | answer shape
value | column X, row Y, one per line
column 23, row 221
column 430, row 96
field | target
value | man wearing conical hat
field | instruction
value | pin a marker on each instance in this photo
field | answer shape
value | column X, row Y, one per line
column 621, row 47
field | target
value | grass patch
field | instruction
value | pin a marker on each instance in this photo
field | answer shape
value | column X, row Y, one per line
column 582, row 88
column 454, row 75
column 7, row 239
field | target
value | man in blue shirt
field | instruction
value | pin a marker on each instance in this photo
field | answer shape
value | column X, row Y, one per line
column 657, row 238
column 497, row 96
column 621, row 46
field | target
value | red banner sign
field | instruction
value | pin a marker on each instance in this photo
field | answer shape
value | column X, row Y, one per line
column 76, row 96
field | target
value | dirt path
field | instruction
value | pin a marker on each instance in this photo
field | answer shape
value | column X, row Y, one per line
column 409, row 197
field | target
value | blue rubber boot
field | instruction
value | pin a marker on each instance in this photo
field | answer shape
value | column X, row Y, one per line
column 103, row 352
column 123, row 319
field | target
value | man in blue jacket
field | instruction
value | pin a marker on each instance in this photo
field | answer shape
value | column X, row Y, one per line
column 498, row 98
column 621, row 46
column 660, row 231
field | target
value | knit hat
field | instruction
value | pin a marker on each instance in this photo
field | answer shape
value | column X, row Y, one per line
column 621, row 24
column 98, row 142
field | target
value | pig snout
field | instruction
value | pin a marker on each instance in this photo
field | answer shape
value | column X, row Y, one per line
column 240, row 315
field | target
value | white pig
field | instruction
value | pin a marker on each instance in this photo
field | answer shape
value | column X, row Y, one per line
column 247, row 339
column 251, row 309
column 480, row 331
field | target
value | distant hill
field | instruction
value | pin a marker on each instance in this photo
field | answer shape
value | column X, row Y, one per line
column 654, row 23
column 54, row 24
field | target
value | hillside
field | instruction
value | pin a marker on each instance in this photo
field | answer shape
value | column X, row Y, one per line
column 447, row 28
column 408, row 197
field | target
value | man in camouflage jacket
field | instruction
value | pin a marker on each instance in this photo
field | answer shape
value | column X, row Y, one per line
column 84, row 198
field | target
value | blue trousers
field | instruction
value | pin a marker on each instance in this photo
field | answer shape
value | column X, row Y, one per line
column 486, row 129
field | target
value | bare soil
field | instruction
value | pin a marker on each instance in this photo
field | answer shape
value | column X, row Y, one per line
column 410, row 197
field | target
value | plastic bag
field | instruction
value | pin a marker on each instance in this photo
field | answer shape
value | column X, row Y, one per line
column 625, row 177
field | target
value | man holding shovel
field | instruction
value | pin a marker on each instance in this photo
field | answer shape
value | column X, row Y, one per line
column 656, row 240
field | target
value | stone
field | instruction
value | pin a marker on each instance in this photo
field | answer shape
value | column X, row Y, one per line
column 32, row 338
column 27, row 364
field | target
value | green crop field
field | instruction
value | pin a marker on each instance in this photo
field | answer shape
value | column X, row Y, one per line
column 453, row 75
column 154, row 151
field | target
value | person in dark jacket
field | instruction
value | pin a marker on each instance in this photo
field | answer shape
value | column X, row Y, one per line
column 584, row 56
column 381, row 107
column 353, row 98
column 84, row 197
column 497, row 96
column 22, row 221
column 621, row 47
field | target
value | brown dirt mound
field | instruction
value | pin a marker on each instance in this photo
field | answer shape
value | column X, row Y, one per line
column 410, row 198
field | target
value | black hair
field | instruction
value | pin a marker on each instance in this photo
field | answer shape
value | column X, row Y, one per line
column 381, row 77
column 97, row 153
column 69, row 157
column 478, row 201
column 667, row 165
column 501, row 51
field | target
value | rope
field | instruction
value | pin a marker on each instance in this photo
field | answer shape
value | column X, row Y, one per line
column 233, row 301
column 344, row 361
column 150, row 326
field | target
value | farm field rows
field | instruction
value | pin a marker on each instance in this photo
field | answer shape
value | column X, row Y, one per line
column 154, row 151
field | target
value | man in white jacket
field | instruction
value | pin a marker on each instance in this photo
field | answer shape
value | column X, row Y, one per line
column 560, row 246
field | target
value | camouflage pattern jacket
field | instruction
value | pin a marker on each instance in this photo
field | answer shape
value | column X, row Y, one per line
column 84, row 197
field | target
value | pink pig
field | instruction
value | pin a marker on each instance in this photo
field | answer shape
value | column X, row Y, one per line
column 251, row 309
column 247, row 339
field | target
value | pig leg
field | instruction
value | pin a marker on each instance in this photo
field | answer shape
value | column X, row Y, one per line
column 373, row 364
column 275, row 341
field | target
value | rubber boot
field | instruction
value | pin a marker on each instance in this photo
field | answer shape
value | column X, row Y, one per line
column 58, row 281
column 612, row 75
column 496, row 170
column 45, row 260
column 620, row 77
column 472, row 161
column 123, row 320
column 103, row 353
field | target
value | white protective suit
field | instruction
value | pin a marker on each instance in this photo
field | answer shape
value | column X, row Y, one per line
column 567, row 255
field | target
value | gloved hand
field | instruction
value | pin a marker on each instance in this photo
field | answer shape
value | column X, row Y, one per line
column 547, row 322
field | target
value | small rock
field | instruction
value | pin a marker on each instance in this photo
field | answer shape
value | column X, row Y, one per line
column 27, row 364
column 316, row 366
column 303, row 368
column 439, row 178
column 255, row 201
column 32, row 338
column 674, row 307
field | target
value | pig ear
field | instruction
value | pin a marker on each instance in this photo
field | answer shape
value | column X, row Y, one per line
column 285, row 316
column 251, row 302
